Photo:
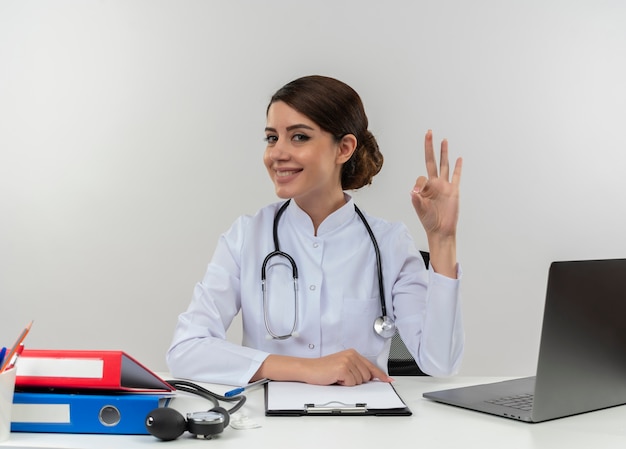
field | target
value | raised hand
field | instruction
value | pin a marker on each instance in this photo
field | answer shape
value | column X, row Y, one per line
column 436, row 201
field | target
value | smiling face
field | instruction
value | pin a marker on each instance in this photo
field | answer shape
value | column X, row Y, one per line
column 303, row 161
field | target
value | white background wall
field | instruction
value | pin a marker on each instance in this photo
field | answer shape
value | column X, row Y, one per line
column 131, row 137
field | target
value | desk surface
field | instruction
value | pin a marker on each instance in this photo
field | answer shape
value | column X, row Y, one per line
column 432, row 425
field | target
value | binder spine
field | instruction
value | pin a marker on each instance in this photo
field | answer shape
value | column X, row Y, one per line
column 83, row 413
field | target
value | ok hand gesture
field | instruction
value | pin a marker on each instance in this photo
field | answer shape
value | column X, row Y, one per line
column 436, row 201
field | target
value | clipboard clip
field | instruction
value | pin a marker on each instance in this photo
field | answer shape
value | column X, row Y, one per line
column 335, row 408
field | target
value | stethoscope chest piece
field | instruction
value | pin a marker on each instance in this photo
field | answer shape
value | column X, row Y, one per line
column 384, row 326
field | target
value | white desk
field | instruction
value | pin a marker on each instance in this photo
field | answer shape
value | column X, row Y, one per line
column 432, row 425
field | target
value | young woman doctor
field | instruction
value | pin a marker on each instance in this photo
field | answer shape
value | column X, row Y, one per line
column 313, row 319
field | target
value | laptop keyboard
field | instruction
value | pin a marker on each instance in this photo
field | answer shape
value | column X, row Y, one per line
column 520, row 401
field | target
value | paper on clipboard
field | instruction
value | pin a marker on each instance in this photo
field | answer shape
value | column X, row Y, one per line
column 374, row 397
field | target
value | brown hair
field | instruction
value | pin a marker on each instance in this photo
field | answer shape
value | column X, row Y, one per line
column 337, row 109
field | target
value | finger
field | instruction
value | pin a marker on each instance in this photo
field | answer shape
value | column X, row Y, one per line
column 351, row 377
column 363, row 370
column 350, row 373
column 418, row 194
column 420, row 184
column 371, row 371
column 456, row 175
column 429, row 154
column 444, row 166
column 377, row 373
column 360, row 375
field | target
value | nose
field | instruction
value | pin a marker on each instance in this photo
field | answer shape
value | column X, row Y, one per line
column 277, row 151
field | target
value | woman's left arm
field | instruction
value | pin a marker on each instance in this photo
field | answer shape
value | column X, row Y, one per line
column 436, row 201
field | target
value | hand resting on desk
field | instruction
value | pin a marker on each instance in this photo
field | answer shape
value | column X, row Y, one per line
column 343, row 368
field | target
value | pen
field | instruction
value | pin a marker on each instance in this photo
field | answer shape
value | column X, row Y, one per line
column 239, row 390
column 16, row 355
column 15, row 347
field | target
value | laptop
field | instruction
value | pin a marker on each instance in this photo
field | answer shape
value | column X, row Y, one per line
column 582, row 353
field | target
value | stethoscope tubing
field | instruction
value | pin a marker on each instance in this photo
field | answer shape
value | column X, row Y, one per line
column 379, row 263
column 294, row 269
column 383, row 325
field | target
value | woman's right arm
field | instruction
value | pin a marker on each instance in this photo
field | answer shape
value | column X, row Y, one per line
column 199, row 348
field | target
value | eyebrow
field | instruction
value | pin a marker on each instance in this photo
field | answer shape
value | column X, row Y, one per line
column 292, row 127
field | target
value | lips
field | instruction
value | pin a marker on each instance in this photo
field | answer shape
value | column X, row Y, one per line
column 283, row 176
column 284, row 173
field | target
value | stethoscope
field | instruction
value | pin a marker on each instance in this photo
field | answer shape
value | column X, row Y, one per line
column 383, row 325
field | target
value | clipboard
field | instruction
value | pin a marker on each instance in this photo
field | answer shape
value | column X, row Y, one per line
column 299, row 399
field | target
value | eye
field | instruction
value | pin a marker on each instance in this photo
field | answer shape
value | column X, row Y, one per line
column 300, row 137
column 270, row 139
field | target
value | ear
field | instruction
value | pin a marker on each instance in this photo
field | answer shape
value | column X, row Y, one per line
column 345, row 148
